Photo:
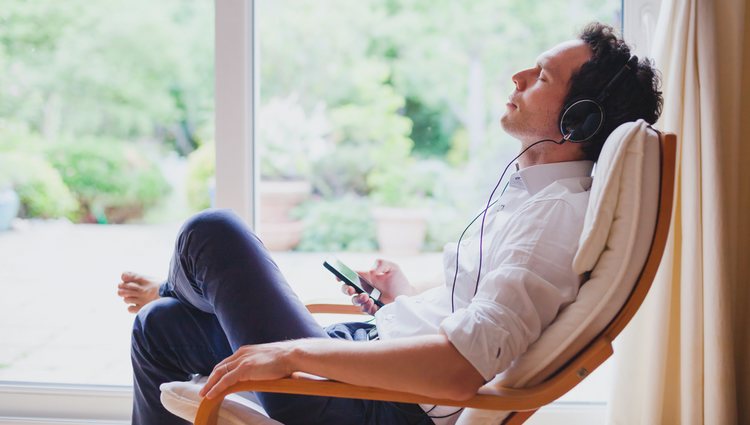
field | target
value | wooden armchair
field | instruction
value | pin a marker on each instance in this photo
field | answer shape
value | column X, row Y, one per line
column 553, row 380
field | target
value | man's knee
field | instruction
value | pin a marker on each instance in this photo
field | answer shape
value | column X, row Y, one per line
column 214, row 224
column 154, row 320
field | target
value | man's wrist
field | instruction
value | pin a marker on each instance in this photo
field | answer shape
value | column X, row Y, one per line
column 409, row 291
column 295, row 355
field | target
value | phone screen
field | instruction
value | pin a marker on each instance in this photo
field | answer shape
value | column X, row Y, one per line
column 352, row 278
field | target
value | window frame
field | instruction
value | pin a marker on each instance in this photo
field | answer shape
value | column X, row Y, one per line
column 236, row 100
column 639, row 19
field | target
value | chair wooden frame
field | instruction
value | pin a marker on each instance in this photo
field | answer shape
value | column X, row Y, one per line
column 522, row 401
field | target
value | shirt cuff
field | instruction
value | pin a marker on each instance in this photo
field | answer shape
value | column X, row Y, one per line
column 481, row 341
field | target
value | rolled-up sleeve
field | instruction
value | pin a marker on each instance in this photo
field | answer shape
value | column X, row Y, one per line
column 527, row 280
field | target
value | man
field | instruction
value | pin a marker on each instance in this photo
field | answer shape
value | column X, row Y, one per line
column 226, row 310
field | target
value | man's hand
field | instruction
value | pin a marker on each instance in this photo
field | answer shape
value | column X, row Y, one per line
column 250, row 363
column 385, row 276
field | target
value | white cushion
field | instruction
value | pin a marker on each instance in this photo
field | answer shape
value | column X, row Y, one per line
column 615, row 242
column 182, row 399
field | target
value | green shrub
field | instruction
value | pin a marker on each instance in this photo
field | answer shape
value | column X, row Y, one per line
column 344, row 170
column 200, row 174
column 404, row 183
column 41, row 188
column 112, row 181
column 336, row 225
column 16, row 136
column 290, row 138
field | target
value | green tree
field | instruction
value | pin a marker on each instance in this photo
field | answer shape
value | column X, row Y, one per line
column 131, row 70
column 457, row 57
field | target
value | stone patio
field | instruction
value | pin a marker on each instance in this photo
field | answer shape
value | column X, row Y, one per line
column 62, row 321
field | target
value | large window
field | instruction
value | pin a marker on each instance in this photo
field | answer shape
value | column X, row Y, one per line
column 377, row 110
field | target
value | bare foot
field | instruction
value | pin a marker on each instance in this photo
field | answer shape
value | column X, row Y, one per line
column 137, row 290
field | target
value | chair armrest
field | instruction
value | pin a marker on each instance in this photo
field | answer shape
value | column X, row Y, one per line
column 505, row 399
column 508, row 399
column 333, row 308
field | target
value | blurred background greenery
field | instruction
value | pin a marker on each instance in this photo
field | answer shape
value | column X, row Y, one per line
column 106, row 107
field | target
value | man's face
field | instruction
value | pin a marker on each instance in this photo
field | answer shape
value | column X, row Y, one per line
column 533, row 109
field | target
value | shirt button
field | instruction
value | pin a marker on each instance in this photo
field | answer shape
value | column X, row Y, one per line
column 389, row 317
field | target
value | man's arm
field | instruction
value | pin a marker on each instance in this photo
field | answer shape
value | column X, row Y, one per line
column 428, row 365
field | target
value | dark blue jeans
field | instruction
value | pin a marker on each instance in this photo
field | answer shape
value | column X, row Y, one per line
column 224, row 291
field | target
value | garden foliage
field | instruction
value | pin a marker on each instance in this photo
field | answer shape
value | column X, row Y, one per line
column 379, row 102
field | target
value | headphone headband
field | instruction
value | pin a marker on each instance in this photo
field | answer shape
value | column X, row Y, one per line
column 629, row 65
column 582, row 119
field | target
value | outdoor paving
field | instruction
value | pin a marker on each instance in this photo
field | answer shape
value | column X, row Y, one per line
column 62, row 321
column 60, row 317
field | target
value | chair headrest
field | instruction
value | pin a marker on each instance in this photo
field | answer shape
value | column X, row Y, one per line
column 629, row 138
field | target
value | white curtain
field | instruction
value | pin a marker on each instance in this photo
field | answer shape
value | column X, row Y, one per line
column 684, row 359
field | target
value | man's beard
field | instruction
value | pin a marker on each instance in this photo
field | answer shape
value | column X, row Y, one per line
column 520, row 128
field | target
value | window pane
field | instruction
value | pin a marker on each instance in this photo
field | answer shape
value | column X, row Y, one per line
column 374, row 104
column 379, row 120
column 106, row 113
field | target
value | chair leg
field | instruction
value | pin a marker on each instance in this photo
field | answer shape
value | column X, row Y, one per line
column 517, row 418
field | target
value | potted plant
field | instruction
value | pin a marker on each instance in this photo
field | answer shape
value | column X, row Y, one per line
column 38, row 187
column 290, row 139
column 10, row 204
column 400, row 188
column 278, row 230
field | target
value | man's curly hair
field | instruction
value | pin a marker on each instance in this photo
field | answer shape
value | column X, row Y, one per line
column 636, row 95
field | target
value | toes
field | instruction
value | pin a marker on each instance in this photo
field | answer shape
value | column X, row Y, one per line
column 128, row 292
column 128, row 276
column 130, row 286
column 134, row 277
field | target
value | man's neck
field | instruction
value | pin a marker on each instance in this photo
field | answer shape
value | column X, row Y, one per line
column 548, row 153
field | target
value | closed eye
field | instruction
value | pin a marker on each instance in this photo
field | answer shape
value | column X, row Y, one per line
column 541, row 75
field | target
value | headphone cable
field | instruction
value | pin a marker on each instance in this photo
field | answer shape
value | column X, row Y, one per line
column 483, row 214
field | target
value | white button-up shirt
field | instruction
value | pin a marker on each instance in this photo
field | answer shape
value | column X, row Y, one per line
column 530, row 237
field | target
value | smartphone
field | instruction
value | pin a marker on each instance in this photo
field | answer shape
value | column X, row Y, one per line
column 353, row 279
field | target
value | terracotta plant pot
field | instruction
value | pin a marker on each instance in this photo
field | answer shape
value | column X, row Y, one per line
column 278, row 231
column 400, row 231
column 123, row 214
column 9, row 206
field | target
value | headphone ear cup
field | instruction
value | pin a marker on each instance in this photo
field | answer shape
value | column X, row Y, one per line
column 581, row 120
column 591, row 126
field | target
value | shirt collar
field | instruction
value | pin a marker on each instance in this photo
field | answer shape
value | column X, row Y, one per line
column 536, row 177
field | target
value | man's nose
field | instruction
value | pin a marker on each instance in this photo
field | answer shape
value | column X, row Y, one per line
column 518, row 81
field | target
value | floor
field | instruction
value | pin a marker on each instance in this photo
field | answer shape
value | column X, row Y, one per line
column 61, row 320
column 60, row 317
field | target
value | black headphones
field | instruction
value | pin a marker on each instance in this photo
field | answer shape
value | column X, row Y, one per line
column 583, row 118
